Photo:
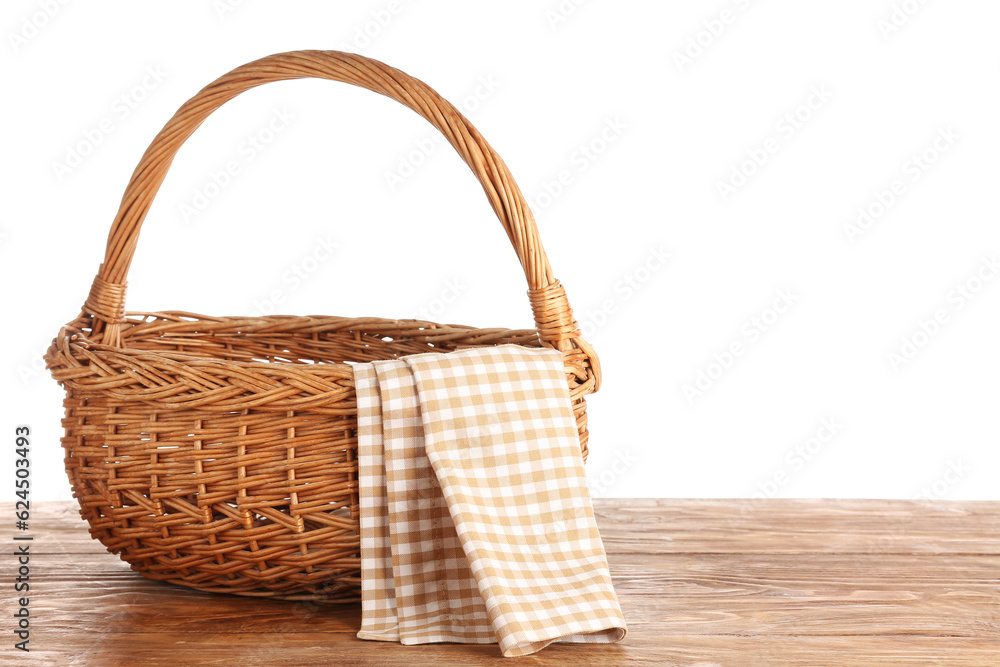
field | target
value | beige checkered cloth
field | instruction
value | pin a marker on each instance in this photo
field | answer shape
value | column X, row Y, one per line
column 476, row 524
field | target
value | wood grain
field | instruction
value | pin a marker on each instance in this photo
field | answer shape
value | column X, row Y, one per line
column 702, row 582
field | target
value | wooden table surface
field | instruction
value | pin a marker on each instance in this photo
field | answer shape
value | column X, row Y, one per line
column 701, row 582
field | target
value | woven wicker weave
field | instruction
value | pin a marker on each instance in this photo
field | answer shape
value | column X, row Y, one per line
column 219, row 452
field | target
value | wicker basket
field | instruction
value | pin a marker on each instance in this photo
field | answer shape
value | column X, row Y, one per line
column 219, row 453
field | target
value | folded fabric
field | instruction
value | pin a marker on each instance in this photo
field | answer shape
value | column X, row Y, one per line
column 476, row 524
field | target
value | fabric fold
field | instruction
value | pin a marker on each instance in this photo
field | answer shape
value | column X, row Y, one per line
column 436, row 596
column 475, row 513
column 378, row 593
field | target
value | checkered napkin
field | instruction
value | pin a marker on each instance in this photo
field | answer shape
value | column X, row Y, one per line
column 476, row 524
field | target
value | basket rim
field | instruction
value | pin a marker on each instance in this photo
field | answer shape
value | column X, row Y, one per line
column 145, row 322
column 181, row 380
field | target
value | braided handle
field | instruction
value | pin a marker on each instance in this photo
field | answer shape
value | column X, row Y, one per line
column 554, row 322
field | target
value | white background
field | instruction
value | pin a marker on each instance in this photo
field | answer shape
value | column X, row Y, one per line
column 666, row 122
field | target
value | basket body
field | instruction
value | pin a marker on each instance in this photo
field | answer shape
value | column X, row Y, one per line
column 220, row 452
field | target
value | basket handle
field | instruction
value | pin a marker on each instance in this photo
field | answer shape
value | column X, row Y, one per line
column 105, row 306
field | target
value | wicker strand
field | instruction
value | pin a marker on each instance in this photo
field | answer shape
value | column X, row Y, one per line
column 106, row 300
column 557, row 328
column 553, row 315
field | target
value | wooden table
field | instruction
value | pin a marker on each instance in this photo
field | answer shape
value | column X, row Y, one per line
column 701, row 582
